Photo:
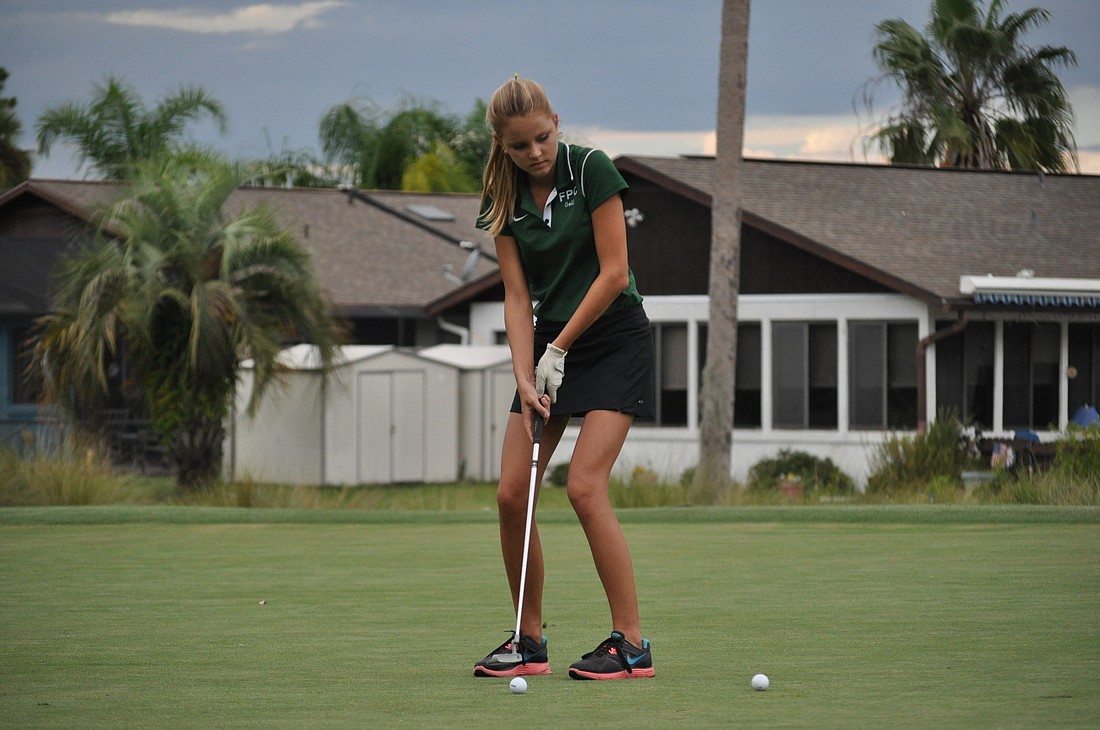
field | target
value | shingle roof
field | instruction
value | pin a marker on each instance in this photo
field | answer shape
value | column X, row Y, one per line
column 369, row 258
column 923, row 226
column 919, row 229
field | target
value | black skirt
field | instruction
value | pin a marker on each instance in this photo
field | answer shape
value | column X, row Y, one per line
column 608, row 368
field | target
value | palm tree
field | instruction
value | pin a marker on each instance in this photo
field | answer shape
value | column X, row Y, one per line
column 973, row 94
column 114, row 131
column 190, row 291
column 15, row 163
column 712, row 476
column 378, row 148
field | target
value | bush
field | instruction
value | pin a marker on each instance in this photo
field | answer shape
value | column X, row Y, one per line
column 816, row 474
column 80, row 478
column 557, row 475
column 910, row 463
column 1077, row 453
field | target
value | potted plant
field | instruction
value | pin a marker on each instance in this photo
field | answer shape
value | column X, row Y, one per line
column 791, row 486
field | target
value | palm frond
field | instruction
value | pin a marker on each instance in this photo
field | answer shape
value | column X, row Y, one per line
column 967, row 80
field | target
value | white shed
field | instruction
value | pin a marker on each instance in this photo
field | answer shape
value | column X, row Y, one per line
column 486, row 388
column 385, row 415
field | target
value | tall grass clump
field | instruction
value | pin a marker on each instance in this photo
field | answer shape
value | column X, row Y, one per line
column 79, row 477
column 907, row 464
column 1077, row 454
column 1072, row 479
column 644, row 488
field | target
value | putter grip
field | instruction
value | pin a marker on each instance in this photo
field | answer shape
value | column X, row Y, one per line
column 538, row 428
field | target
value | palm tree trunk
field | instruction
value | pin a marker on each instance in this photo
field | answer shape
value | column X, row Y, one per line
column 712, row 476
column 196, row 453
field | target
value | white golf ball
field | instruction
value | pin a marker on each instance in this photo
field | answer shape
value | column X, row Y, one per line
column 518, row 685
column 760, row 682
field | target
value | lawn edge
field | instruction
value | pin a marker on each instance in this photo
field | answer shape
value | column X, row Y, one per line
column 835, row 514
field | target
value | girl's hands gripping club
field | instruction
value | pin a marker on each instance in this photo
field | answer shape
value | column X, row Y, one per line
column 550, row 371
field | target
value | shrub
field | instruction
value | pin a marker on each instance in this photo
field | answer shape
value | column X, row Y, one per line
column 817, row 474
column 558, row 474
column 907, row 463
column 1077, row 453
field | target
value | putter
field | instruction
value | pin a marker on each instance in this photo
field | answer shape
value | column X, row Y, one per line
column 515, row 655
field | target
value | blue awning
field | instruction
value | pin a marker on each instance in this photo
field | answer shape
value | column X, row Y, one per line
column 1084, row 301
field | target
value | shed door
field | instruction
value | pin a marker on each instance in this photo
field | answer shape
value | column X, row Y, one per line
column 373, row 422
column 391, row 426
column 409, row 433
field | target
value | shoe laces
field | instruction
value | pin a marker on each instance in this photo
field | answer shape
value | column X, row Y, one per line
column 613, row 647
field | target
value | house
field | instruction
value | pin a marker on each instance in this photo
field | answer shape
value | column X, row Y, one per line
column 383, row 258
column 871, row 297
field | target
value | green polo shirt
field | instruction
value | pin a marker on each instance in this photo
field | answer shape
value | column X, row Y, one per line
column 556, row 245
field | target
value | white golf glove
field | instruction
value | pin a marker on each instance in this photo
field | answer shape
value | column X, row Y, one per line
column 550, row 371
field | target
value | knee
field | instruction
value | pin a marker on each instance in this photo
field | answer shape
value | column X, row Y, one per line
column 512, row 497
column 585, row 494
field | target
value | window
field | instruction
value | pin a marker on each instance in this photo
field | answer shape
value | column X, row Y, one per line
column 746, row 406
column 1031, row 374
column 747, row 381
column 882, row 375
column 804, row 375
column 964, row 373
column 1084, row 366
column 670, row 343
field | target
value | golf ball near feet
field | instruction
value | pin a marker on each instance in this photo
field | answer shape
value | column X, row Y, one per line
column 518, row 685
column 760, row 682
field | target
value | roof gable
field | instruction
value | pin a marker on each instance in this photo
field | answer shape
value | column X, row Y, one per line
column 370, row 258
column 916, row 230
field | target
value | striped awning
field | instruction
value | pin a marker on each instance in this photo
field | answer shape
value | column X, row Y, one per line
column 1083, row 301
column 1027, row 290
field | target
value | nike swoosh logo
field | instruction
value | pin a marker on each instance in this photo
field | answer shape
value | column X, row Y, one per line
column 632, row 660
column 519, row 218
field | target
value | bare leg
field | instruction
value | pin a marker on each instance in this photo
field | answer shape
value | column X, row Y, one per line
column 598, row 446
column 512, row 493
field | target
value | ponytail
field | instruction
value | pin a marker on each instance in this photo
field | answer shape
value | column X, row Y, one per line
column 515, row 98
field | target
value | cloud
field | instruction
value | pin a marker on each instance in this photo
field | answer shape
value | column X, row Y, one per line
column 263, row 18
column 617, row 142
column 835, row 138
column 1086, row 112
column 1089, row 161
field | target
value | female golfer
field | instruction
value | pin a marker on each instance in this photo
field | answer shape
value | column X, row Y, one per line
column 556, row 214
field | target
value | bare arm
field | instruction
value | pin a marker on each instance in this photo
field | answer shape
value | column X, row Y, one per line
column 609, row 228
column 519, row 326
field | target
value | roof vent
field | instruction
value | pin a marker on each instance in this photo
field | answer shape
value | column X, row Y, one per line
column 430, row 212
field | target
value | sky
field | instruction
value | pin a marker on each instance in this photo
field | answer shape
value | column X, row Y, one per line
column 629, row 76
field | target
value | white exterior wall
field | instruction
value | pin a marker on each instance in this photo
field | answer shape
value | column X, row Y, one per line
column 283, row 442
column 485, row 391
column 671, row 450
column 438, row 415
column 384, row 416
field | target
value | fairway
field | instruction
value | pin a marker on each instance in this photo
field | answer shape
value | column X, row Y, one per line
column 898, row 617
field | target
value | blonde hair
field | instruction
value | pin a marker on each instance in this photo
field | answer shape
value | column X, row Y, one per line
column 514, row 98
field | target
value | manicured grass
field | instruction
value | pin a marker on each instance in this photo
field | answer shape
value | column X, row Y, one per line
column 898, row 616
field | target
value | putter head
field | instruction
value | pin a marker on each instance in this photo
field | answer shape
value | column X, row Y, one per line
column 512, row 657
